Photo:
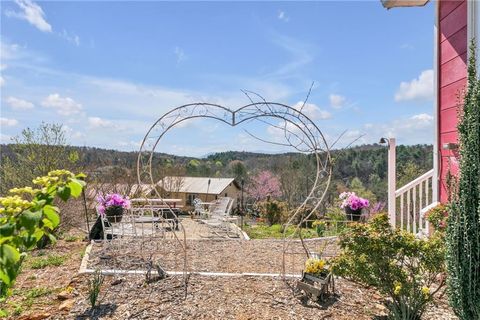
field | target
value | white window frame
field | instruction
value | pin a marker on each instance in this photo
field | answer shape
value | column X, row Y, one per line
column 473, row 28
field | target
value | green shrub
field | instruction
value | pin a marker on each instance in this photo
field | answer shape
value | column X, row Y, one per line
column 320, row 227
column 463, row 224
column 273, row 211
column 27, row 215
column 43, row 262
column 401, row 267
column 336, row 220
column 438, row 217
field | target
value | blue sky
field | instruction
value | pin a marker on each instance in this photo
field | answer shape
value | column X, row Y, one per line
column 108, row 70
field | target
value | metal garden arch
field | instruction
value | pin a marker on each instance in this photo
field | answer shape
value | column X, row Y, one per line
column 300, row 133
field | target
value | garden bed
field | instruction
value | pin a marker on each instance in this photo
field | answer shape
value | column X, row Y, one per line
column 56, row 291
column 232, row 256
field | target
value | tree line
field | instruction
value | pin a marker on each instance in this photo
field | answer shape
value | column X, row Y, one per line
column 363, row 168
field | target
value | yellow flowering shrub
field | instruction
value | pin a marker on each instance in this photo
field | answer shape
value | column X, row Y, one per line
column 400, row 266
column 27, row 215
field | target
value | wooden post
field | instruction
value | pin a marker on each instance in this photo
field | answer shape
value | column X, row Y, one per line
column 392, row 184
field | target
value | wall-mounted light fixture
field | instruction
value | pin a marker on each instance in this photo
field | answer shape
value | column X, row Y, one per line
column 450, row 146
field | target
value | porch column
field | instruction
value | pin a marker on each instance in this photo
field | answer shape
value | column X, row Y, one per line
column 392, row 184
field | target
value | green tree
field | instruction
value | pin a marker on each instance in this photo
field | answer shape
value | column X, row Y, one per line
column 357, row 186
column 35, row 153
column 238, row 169
column 408, row 172
column 192, row 167
column 463, row 227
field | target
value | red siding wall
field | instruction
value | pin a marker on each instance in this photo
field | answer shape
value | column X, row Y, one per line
column 452, row 77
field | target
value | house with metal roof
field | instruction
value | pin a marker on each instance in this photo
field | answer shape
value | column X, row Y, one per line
column 204, row 188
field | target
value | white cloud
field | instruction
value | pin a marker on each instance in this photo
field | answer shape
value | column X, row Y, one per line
column 180, row 54
column 5, row 122
column 72, row 133
column 422, row 119
column 31, row 12
column 96, row 122
column 337, row 101
column 5, row 138
column 412, row 130
column 2, row 79
column 312, row 111
column 301, row 54
column 72, row 38
column 415, row 129
column 64, row 106
column 19, row 104
column 419, row 89
column 407, row 46
column 9, row 51
column 283, row 16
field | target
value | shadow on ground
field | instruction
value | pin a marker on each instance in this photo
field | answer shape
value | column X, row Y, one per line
column 100, row 311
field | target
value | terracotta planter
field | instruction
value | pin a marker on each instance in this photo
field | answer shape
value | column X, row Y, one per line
column 353, row 215
column 114, row 214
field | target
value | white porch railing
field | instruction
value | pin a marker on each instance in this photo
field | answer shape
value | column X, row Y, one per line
column 409, row 202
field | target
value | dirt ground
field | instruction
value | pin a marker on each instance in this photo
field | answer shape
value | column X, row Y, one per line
column 59, row 292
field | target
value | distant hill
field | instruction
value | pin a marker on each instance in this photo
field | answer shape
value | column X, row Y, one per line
column 367, row 163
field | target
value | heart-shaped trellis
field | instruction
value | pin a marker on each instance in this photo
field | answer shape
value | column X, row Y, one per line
column 300, row 132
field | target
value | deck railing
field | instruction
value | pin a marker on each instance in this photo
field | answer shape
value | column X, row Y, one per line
column 410, row 200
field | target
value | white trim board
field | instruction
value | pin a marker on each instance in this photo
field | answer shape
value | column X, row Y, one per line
column 473, row 26
column 436, row 43
column 111, row 272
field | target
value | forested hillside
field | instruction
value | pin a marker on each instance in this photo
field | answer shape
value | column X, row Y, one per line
column 368, row 164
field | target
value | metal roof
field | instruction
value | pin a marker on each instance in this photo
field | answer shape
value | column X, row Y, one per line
column 195, row 184
column 403, row 3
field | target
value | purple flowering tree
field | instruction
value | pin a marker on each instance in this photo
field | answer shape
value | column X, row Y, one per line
column 263, row 185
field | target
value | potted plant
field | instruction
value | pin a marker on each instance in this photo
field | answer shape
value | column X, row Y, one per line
column 317, row 268
column 353, row 205
column 112, row 206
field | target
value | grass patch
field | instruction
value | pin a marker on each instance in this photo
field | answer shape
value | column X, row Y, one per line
column 26, row 299
column 37, row 292
column 46, row 261
column 72, row 238
column 262, row 231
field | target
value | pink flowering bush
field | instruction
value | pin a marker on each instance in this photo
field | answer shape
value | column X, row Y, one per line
column 438, row 216
column 112, row 202
column 352, row 201
column 264, row 185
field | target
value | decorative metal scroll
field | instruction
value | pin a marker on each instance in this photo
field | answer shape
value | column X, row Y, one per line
column 300, row 133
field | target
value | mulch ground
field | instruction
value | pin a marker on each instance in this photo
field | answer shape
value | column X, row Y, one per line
column 220, row 255
column 232, row 298
column 58, row 292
